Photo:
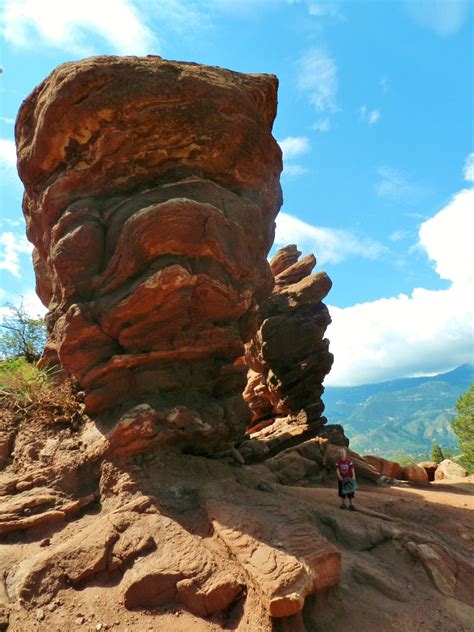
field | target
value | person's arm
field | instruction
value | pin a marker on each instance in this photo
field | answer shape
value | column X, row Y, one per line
column 353, row 472
column 338, row 473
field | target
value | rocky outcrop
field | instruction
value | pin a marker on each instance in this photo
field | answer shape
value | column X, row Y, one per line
column 415, row 473
column 288, row 357
column 430, row 468
column 151, row 189
column 152, row 211
column 384, row 467
column 151, row 192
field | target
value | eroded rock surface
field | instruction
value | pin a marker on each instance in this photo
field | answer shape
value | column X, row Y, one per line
column 151, row 189
column 151, row 193
column 289, row 357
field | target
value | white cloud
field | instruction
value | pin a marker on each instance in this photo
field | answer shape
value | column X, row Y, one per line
column 426, row 332
column 11, row 247
column 292, row 170
column 294, row 146
column 330, row 245
column 65, row 25
column 447, row 239
column 394, row 185
column 444, row 17
column 468, row 171
column 322, row 125
column 7, row 120
column 7, row 154
column 33, row 306
column 369, row 116
column 317, row 77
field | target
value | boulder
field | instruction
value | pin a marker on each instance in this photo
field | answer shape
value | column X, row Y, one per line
column 449, row 469
column 414, row 473
column 430, row 468
column 384, row 467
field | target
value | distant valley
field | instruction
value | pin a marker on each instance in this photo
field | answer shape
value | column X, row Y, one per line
column 404, row 416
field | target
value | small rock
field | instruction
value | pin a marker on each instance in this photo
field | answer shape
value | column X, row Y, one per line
column 51, row 606
column 45, row 542
column 79, row 620
column 98, row 626
column 40, row 614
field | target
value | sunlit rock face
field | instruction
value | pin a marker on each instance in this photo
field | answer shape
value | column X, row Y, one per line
column 151, row 189
column 289, row 357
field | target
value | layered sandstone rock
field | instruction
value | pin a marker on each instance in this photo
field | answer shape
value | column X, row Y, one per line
column 385, row 467
column 289, row 356
column 151, row 189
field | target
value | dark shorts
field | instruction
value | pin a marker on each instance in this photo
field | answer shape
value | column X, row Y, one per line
column 341, row 495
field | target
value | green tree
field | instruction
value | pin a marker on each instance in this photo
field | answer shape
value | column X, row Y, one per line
column 437, row 453
column 463, row 426
column 21, row 335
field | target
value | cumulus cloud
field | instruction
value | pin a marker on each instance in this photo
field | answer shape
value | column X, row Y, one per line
column 444, row 17
column 293, row 147
column 469, row 168
column 369, row 116
column 7, row 120
column 317, row 78
column 331, row 245
column 427, row 332
column 11, row 247
column 58, row 24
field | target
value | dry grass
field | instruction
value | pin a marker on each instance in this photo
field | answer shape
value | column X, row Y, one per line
column 39, row 394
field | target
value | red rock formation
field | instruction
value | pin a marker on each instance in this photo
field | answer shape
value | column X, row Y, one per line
column 151, row 189
column 288, row 357
column 385, row 467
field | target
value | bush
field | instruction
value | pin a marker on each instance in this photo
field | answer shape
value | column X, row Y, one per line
column 35, row 394
column 22, row 381
column 437, row 454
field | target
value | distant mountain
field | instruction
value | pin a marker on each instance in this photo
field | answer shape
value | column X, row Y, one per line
column 406, row 415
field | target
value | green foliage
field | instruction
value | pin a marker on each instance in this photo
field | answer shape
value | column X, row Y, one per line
column 23, row 381
column 437, row 454
column 463, row 426
column 21, row 335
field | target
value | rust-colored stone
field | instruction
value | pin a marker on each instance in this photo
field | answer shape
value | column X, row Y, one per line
column 152, row 212
column 288, row 357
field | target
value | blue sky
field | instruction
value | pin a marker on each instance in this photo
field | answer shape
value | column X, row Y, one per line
column 375, row 122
